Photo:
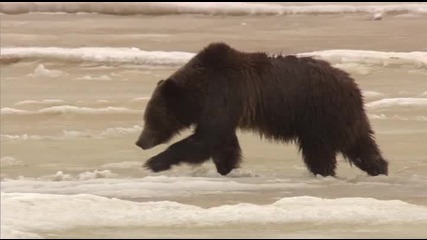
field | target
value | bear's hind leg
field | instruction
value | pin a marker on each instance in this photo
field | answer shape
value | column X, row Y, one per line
column 227, row 156
column 320, row 159
column 364, row 153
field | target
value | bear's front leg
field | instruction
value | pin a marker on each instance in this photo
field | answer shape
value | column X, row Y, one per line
column 161, row 162
column 191, row 149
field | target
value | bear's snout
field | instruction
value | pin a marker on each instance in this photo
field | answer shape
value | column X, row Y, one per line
column 145, row 141
column 145, row 144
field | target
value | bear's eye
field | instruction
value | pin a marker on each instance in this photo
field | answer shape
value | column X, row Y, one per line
column 160, row 82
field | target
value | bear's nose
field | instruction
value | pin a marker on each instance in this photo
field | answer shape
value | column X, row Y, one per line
column 140, row 144
column 144, row 144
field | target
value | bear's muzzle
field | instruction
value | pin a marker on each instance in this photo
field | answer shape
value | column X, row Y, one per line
column 146, row 141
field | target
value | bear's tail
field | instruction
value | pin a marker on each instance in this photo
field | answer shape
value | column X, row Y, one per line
column 364, row 153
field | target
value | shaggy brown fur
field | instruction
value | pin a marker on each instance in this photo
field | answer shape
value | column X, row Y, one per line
column 284, row 98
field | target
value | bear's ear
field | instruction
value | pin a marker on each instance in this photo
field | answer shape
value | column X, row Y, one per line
column 159, row 82
column 171, row 89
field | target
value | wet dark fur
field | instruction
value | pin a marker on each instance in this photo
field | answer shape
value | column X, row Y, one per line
column 284, row 98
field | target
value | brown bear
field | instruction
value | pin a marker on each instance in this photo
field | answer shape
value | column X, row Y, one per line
column 283, row 98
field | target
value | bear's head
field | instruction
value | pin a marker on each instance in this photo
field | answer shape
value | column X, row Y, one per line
column 160, row 117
